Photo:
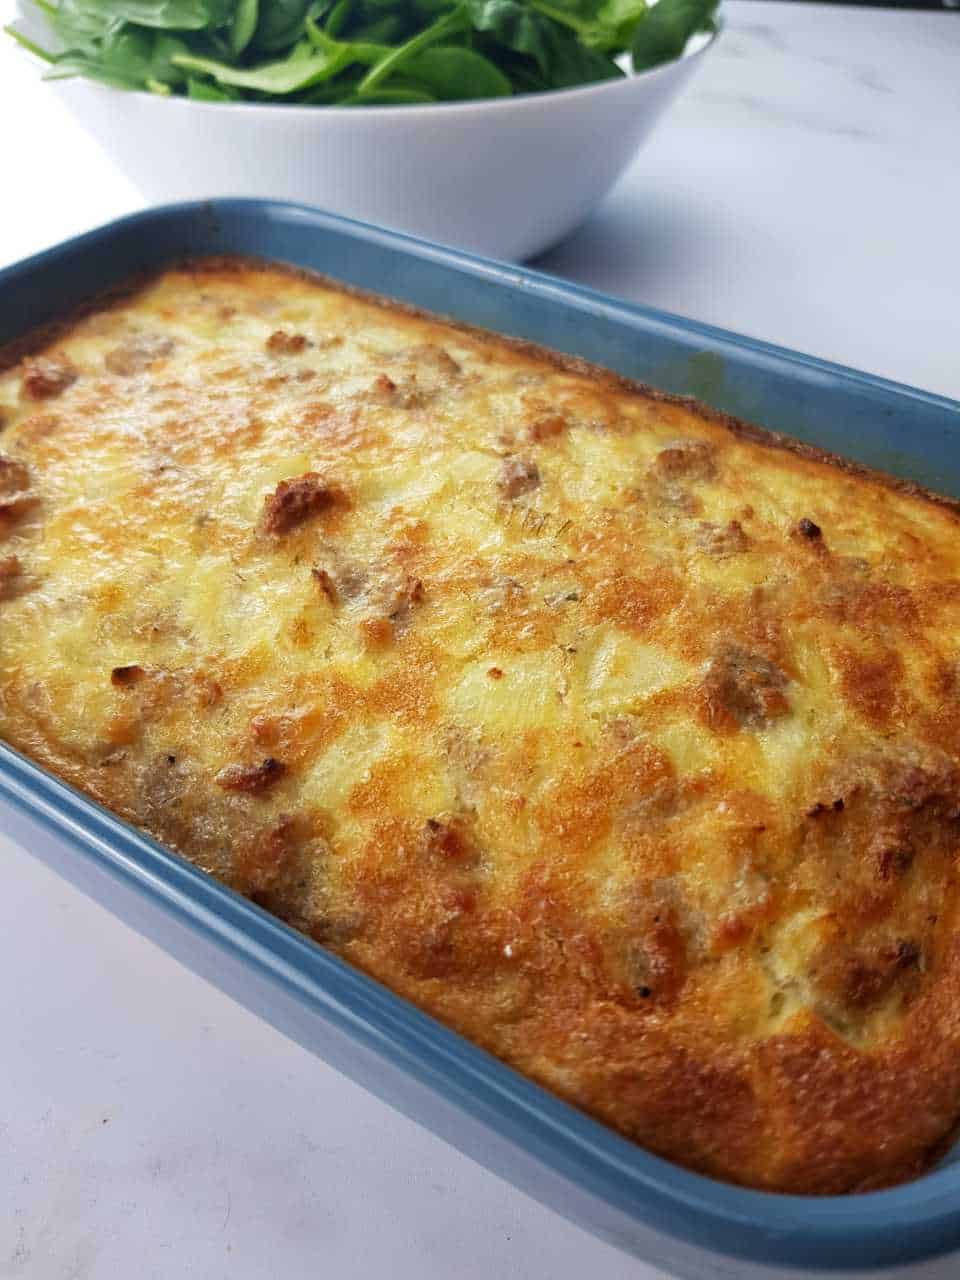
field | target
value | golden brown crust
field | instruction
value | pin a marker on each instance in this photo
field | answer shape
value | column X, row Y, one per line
column 623, row 737
column 539, row 427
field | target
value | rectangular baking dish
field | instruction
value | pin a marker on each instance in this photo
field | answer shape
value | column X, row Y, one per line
column 685, row 1223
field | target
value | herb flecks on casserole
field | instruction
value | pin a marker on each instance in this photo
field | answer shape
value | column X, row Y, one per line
column 620, row 737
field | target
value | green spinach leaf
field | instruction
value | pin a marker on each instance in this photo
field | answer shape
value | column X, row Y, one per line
column 338, row 17
column 279, row 79
column 387, row 98
column 362, row 51
column 605, row 25
column 516, row 26
column 348, row 51
column 244, row 24
column 169, row 15
column 455, row 20
column 77, row 26
column 280, row 24
column 662, row 34
column 453, row 74
column 204, row 91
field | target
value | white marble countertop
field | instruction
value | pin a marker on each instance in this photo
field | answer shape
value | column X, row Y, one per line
column 805, row 191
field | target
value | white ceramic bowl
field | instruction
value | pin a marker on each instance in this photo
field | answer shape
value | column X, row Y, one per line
column 506, row 177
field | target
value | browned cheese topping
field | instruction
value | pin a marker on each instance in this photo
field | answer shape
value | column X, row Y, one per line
column 623, row 739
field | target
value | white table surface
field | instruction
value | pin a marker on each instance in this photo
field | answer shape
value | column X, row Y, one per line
column 806, row 190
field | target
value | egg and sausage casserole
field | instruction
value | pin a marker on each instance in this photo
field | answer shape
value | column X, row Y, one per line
column 619, row 736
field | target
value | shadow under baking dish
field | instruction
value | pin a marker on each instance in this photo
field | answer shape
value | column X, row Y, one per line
column 686, row 1223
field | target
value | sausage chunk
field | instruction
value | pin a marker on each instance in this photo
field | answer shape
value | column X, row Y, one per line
column 14, row 476
column 136, row 353
column 687, row 460
column 251, row 778
column 856, row 981
column 447, row 842
column 654, row 956
column 722, row 540
column 517, row 476
column 15, row 495
column 546, row 426
column 283, row 343
column 807, row 529
column 268, row 856
column 439, row 359
column 47, row 376
column 11, row 571
column 680, row 466
column 391, row 600
column 741, row 690
column 405, row 394
column 326, row 583
column 123, row 677
column 294, row 501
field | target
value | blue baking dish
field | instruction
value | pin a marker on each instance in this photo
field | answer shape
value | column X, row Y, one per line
column 688, row 1224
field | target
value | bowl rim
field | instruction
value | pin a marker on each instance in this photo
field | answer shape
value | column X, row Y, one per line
column 411, row 110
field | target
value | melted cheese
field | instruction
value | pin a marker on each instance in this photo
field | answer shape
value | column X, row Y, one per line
column 624, row 741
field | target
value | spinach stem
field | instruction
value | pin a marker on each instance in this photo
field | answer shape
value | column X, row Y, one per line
column 565, row 19
column 450, row 22
column 335, row 18
column 358, row 50
column 35, row 49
